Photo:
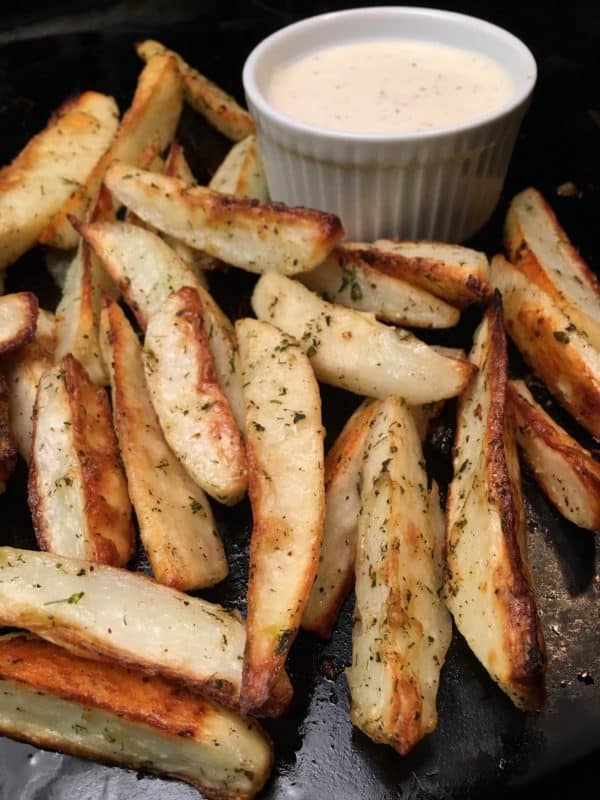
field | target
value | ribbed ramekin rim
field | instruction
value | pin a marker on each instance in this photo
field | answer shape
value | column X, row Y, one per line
column 293, row 126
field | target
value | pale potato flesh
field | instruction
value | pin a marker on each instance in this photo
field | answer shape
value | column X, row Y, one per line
column 335, row 575
column 559, row 353
column 18, row 318
column 77, row 490
column 150, row 120
column 567, row 473
column 402, row 628
column 51, row 168
column 251, row 234
column 147, row 271
column 488, row 585
column 218, row 107
column 345, row 278
column 350, row 349
column 193, row 412
column 176, row 522
column 56, row 700
column 23, row 369
column 242, row 172
column 104, row 613
column 284, row 440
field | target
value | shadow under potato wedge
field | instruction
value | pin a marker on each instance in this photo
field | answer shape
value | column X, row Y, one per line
column 488, row 586
column 54, row 699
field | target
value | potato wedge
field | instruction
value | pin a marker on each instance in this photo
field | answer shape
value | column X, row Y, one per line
column 52, row 166
column 76, row 488
column 192, row 410
column 566, row 472
column 176, row 523
column 176, row 164
column 346, row 278
column 18, row 318
column 242, row 173
column 8, row 448
column 58, row 263
column 57, row 700
column 488, row 586
column 23, row 369
column 456, row 274
column 204, row 96
column 147, row 271
column 78, row 313
column 284, row 438
column 335, row 575
column 151, row 119
column 551, row 344
column 103, row 613
column 401, row 627
column 350, row 349
column 536, row 244
column 250, row 234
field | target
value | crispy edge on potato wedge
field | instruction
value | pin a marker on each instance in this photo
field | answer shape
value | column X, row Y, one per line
column 456, row 274
column 335, row 575
column 566, row 472
column 242, row 173
column 103, row 613
column 192, row 410
column 346, row 278
column 284, row 440
column 147, row 271
column 401, row 626
column 216, row 106
column 537, row 244
column 8, row 447
column 488, row 586
column 23, row 369
column 18, row 318
column 250, row 234
column 51, row 168
column 54, row 699
column 77, row 490
column 350, row 349
column 176, row 522
column 151, row 119
column 551, row 344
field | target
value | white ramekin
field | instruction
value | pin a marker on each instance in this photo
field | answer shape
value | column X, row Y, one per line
column 442, row 184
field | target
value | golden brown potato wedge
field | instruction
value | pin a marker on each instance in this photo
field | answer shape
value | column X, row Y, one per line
column 151, row 119
column 346, row 278
column 23, row 369
column 488, row 586
column 250, row 234
column 566, row 472
column 147, row 271
column 335, row 575
column 176, row 164
column 176, row 523
column 350, row 349
column 51, row 168
column 18, row 318
column 552, row 345
column 540, row 248
column 192, row 410
column 242, row 172
column 8, row 448
column 284, row 438
column 76, row 488
column 56, row 700
column 456, row 274
column 78, row 313
column 104, row 613
column 401, row 626
column 204, row 96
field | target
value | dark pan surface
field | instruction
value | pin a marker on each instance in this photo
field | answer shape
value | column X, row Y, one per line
column 482, row 746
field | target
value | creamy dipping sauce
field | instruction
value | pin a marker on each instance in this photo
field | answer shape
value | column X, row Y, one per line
column 389, row 86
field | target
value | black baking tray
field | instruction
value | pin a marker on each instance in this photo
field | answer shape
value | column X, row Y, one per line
column 482, row 747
